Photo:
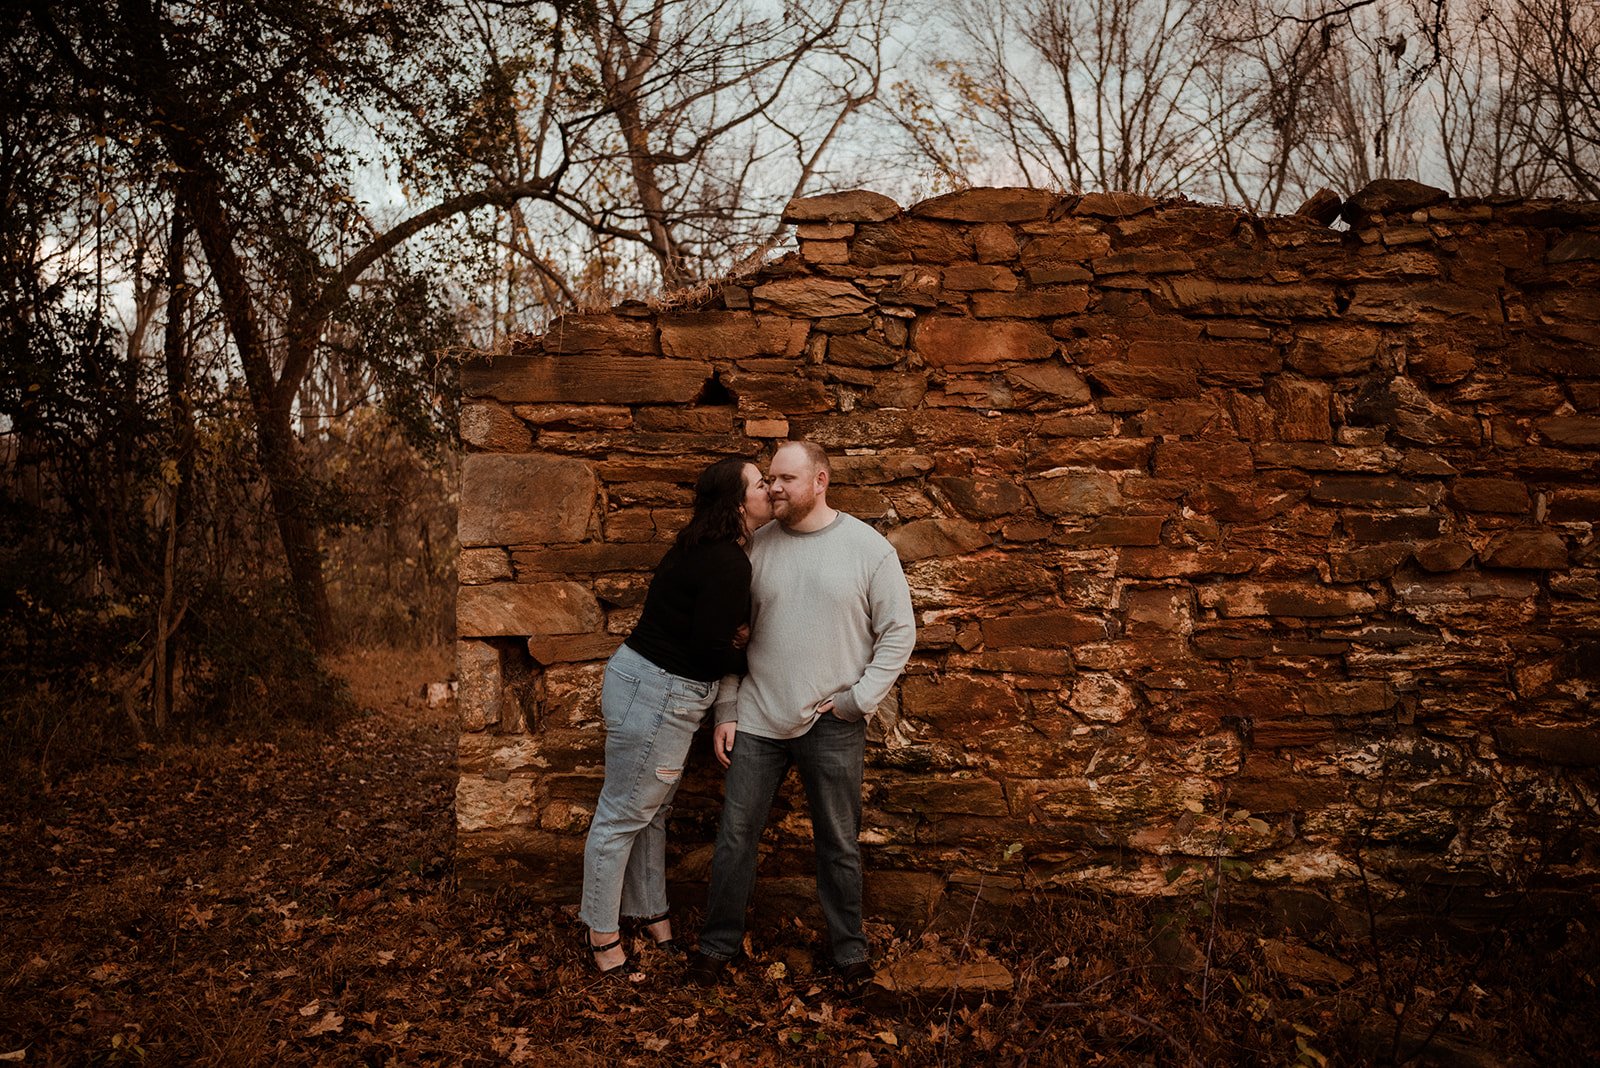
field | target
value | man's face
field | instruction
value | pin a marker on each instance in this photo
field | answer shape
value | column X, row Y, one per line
column 792, row 485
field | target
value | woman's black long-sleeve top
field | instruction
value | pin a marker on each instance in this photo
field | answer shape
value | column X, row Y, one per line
column 696, row 601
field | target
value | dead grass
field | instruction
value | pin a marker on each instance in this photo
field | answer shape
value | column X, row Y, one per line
column 290, row 900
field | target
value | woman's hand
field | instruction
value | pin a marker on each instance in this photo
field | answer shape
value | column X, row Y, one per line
column 741, row 637
column 722, row 741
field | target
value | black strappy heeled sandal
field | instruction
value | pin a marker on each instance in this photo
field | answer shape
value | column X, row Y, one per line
column 595, row 951
column 667, row 945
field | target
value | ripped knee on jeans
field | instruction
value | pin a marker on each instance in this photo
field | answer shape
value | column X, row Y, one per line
column 669, row 775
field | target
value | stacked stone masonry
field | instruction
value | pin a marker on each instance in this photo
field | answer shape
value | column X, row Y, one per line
column 1226, row 534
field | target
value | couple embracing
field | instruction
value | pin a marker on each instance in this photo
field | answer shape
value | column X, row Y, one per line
column 792, row 620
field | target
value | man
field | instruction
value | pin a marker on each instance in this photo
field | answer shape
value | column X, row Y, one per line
column 832, row 628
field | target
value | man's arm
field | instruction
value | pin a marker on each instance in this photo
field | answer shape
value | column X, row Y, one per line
column 894, row 631
column 725, row 711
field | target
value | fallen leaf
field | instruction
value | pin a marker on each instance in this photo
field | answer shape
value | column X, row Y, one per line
column 15, row 1055
column 888, row 1038
column 655, row 1045
column 330, row 1022
column 107, row 972
column 311, row 1009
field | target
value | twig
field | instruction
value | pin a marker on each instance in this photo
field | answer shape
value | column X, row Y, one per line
column 955, row 987
column 1188, row 1050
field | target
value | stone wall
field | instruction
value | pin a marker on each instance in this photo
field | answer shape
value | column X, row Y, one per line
column 1226, row 534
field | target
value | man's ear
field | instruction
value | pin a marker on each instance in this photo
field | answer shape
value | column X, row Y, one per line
column 822, row 478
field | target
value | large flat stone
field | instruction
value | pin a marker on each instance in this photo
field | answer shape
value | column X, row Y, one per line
column 480, row 686
column 612, row 334
column 988, row 205
column 849, row 206
column 506, row 609
column 1570, row 746
column 982, row 498
column 1043, row 630
column 730, row 335
column 811, row 298
column 586, row 379
column 950, row 342
column 1080, row 492
column 493, row 427
column 924, row 538
column 517, row 499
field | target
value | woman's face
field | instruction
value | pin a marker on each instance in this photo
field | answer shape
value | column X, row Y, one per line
column 757, row 507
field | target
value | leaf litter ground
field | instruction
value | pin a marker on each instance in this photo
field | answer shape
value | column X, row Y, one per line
column 290, row 900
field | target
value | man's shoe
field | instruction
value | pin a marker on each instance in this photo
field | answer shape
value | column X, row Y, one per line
column 706, row 970
column 854, row 978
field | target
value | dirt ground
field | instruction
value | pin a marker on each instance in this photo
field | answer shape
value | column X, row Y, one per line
column 290, row 900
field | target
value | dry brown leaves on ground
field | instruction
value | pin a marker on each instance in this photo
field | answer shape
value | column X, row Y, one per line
column 290, row 901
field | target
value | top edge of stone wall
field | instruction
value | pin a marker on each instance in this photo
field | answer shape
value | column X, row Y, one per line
column 1385, row 206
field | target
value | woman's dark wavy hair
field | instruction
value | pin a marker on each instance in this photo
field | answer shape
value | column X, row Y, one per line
column 718, row 493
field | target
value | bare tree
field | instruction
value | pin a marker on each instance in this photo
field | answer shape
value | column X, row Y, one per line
column 1100, row 95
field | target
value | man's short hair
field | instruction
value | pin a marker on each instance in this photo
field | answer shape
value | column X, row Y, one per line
column 814, row 452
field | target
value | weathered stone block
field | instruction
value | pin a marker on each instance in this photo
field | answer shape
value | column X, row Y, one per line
column 1285, row 599
column 1463, row 587
column 961, row 698
column 521, row 609
column 1123, row 379
column 591, row 557
column 480, row 685
column 1569, row 746
column 1080, row 492
column 1115, row 530
column 1491, row 495
column 982, row 498
column 516, row 499
column 1203, row 460
column 856, row 350
column 945, row 794
column 477, row 566
column 609, row 334
column 567, row 648
column 1374, row 491
column 1142, row 261
column 1031, row 304
column 1294, row 301
column 786, row 394
column 988, row 205
column 589, row 379
column 1049, row 384
column 1067, row 248
column 492, row 427
column 1409, row 303
column 1532, row 550
column 813, row 298
column 908, row 241
column 1388, row 196
column 1571, row 430
column 925, row 538
column 949, row 342
column 1043, row 630
column 730, row 335
column 965, row 277
column 1569, row 505
column 852, row 206
column 834, row 252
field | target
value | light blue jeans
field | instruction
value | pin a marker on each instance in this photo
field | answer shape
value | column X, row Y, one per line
column 651, row 717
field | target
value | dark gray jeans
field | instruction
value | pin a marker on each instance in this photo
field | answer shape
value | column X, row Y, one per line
column 830, row 757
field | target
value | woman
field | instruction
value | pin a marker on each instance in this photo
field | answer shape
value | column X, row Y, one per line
column 658, row 686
